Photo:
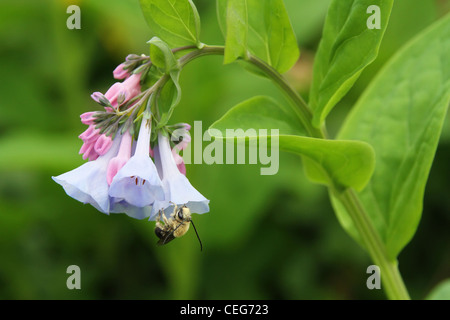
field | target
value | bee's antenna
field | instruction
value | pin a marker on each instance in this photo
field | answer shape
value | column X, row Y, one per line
column 195, row 229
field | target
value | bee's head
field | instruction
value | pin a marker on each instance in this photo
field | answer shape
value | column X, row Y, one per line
column 184, row 214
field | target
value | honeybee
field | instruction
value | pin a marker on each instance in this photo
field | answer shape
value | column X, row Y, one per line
column 174, row 227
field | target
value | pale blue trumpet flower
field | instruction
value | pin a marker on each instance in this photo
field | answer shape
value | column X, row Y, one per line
column 137, row 185
column 177, row 188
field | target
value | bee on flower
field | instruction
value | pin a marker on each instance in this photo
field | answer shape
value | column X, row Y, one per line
column 132, row 167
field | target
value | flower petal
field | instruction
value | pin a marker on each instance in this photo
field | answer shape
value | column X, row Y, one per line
column 177, row 188
column 129, row 210
column 137, row 182
column 180, row 191
column 87, row 183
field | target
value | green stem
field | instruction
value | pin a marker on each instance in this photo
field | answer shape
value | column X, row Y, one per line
column 299, row 106
column 390, row 275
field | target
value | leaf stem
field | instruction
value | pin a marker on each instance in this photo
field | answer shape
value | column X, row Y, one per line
column 192, row 47
column 390, row 275
column 299, row 106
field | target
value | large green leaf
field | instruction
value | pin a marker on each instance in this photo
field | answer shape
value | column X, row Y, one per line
column 260, row 112
column 441, row 292
column 401, row 115
column 262, row 28
column 341, row 163
column 174, row 21
column 346, row 48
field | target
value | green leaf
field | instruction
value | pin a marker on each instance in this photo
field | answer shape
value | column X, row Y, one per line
column 309, row 18
column 347, row 47
column 169, row 97
column 174, row 21
column 236, row 30
column 260, row 112
column 441, row 292
column 161, row 55
column 262, row 28
column 341, row 163
column 401, row 115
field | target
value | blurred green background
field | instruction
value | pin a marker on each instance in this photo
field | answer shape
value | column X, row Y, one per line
column 266, row 237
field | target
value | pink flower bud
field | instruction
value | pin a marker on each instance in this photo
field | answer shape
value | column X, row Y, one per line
column 87, row 149
column 179, row 161
column 113, row 92
column 90, row 134
column 116, row 163
column 88, row 118
column 121, row 92
column 120, row 72
column 183, row 144
column 187, row 126
column 181, row 136
column 97, row 96
column 103, row 144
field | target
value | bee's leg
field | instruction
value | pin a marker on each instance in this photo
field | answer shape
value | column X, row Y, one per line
column 174, row 209
column 166, row 221
column 158, row 221
column 159, row 228
column 158, row 216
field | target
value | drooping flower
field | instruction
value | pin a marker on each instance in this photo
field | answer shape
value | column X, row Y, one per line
column 87, row 183
column 177, row 188
column 130, row 210
column 121, row 176
column 137, row 183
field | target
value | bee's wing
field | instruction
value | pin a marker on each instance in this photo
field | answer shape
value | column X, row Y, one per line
column 166, row 239
column 169, row 237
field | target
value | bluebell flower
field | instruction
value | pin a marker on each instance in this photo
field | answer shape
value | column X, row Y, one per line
column 87, row 183
column 137, row 184
column 130, row 210
column 177, row 188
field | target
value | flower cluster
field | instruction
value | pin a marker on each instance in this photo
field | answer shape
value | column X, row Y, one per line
column 121, row 176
